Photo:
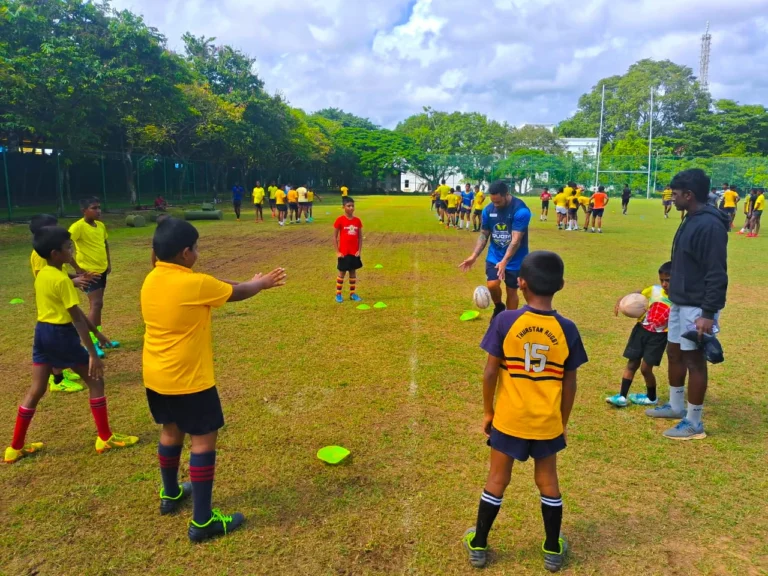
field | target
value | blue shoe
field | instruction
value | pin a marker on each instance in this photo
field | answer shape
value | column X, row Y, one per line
column 686, row 430
column 553, row 561
column 478, row 557
column 642, row 400
column 170, row 505
column 355, row 298
column 665, row 412
column 339, row 299
column 219, row 525
column 617, row 400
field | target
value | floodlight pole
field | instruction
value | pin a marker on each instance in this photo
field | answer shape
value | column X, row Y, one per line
column 650, row 146
column 600, row 139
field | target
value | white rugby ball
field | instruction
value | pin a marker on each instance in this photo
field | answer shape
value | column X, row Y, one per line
column 633, row 305
column 482, row 297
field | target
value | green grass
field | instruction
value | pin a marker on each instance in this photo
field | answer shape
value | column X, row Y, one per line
column 401, row 388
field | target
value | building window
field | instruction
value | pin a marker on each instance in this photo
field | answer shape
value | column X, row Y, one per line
column 407, row 183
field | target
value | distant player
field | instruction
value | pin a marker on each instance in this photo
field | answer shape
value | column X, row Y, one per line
column 545, row 198
column 280, row 204
column 237, row 199
column 443, row 191
column 666, row 201
column 731, row 200
column 626, row 196
column 272, row 204
column 477, row 209
column 561, row 207
column 293, row 205
column 757, row 213
column 749, row 203
column 348, row 236
column 599, row 201
column 647, row 343
column 311, row 197
column 258, row 201
column 505, row 225
column 573, row 210
column 433, row 198
column 467, row 199
column 60, row 334
column 344, row 191
column 176, row 305
column 302, row 193
column 452, row 201
column 529, row 388
column 89, row 236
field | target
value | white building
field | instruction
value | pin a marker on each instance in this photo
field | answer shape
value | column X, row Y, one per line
column 410, row 182
column 579, row 146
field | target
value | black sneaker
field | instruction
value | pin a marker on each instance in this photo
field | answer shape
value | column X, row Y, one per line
column 170, row 505
column 218, row 525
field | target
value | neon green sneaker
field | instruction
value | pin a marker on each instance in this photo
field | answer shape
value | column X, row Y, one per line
column 12, row 455
column 169, row 505
column 71, row 375
column 218, row 525
column 63, row 386
column 553, row 561
column 115, row 441
column 478, row 557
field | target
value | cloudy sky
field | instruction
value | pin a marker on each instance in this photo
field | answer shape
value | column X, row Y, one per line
column 514, row 60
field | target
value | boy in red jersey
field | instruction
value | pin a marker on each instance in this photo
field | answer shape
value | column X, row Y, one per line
column 545, row 198
column 349, row 244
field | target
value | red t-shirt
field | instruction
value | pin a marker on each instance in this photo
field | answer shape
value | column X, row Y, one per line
column 546, row 196
column 349, row 235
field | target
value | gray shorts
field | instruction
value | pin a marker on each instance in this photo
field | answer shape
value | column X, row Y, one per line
column 681, row 320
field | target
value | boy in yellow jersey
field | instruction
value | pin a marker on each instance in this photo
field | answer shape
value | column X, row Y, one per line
column 344, row 191
column 757, row 214
column 573, row 210
column 561, row 207
column 176, row 305
column 272, row 189
column 311, row 197
column 452, row 207
column 282, row 207
column 443, row 191
column 60, row 333
column 258, row 201
column 60, row 380
column 731, row 199
column 666, row 201
column 585, row 203
column 647, row 343
column 477, row 209
column 89, row 236
column 529, row 386
column 749, row 203
column 293, row 204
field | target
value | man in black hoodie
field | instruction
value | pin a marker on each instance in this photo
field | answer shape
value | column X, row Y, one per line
column 699, row 280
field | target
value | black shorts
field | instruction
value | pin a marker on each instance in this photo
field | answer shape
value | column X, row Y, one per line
column 195, row 414
column 282, row 208
column 729, row 211
column 478, row 212
column 645, row 345
column 58, row 346
column 757, row 214
column 349, row 263
column 624, row 200
column 510, row 276
column 451, row 210
column 258, row 204
column 545, row 204
column 272, row 203
column 441, row 204
column 521, row 449
column 293, row 205
column 303, row 204
column 573, row 212
column 598, row 212
column 465, row 210
column 237, row 203
column 99, row 284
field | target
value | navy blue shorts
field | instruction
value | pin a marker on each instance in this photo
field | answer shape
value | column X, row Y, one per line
column 58, row 346
column 99, row 284
column 521, row 449
column 598, row 212
column 510, row 276
column 196, row 414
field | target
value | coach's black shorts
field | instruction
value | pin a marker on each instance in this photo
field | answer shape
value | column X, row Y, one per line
column 282, row 208
column 196, row 414
column 545, row 204
column 510, row 276
column 521, row 449
column 645, row 345
column 349, row 263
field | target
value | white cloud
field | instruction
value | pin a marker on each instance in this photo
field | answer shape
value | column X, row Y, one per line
column 515, row 60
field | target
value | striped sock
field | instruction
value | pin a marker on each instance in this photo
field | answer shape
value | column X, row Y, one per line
column 352, row 285
column 486, row 513
column 202, row 468
column 23, row 420
column 552, row 512
column 99, row 411
column 169, row 468
column 339, row 284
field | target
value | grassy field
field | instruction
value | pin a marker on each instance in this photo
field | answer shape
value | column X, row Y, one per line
column 401, row 388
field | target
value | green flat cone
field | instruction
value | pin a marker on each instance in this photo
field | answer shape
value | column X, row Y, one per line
column 332, row 454
column 469, row 315
column 17, row 301
column 363, row 307
column 380, row 305
column 378, row 266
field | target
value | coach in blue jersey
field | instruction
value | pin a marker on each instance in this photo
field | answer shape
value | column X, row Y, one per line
column 505, row 224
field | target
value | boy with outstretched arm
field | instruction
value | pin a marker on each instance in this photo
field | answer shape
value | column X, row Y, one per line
column 176, row 305
column 529, row 387
column 647, row 343
column 61, row 331
column 348, row 236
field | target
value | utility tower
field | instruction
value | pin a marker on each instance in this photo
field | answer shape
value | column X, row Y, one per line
column 706, row 42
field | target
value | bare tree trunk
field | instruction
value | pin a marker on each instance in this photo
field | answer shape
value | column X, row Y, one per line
column 67, row 184
column 130, row 174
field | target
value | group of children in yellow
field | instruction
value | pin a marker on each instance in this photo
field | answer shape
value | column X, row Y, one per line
column 459, row 209
column 569, row 200
column 286, row 203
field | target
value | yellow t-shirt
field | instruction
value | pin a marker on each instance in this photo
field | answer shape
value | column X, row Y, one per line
column 302, row 194
column 567, row 191
column 38, row 263
column 176, row 307
column 560, row 199
column 444, row 190
column 272, row 190
column 279, row 197
column 258, row 195
column 666, row 196
column 760, row 202
column 344, row 191
column 731, row 198
column 293, row 196
column 90, row 245
column 310, row 196
column 584, row 201
column 452, row 200
column 479, row 199
column 55, row 295
column 573, row 202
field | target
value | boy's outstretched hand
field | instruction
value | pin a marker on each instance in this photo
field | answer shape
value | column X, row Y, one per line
column 271, row 279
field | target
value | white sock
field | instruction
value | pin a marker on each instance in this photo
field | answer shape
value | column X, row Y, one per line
column 694, row 413
column 677, row 398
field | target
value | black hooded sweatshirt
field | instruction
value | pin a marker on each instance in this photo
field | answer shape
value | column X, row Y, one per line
column 699, row 275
